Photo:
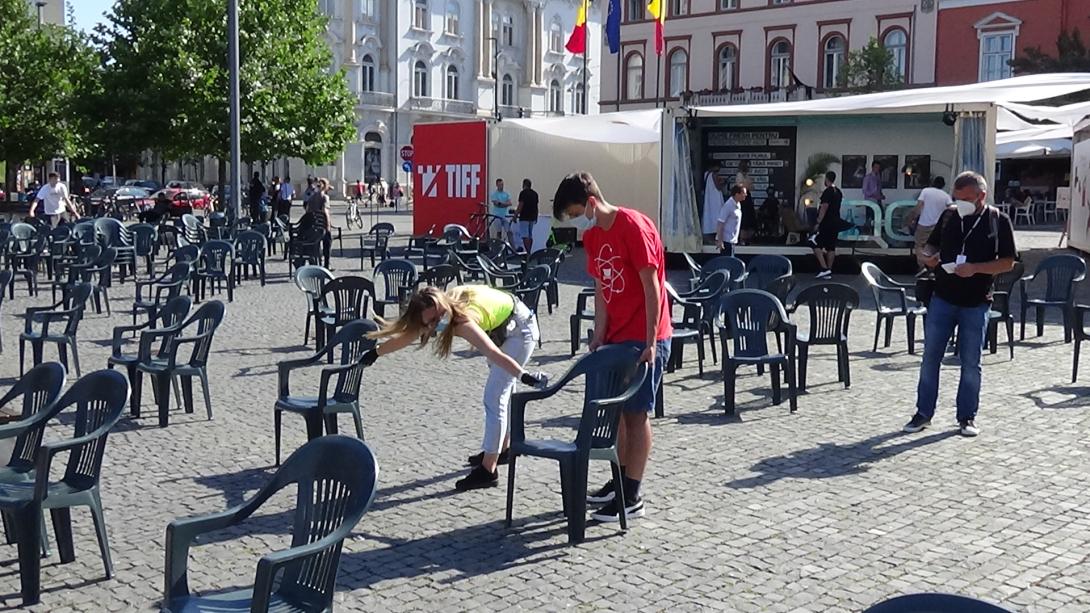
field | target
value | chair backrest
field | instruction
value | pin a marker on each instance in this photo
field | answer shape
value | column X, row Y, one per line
column 453, row 233
column 23, row 232
column 935, row 603
column 311, row 279
column 440, row 276
column 84, row 232
column 607, row 373
column 75, row 298
column 216, row 256
column 1004, row 282
column 112, row 233
column 1061, row 272
column 335, row 478
column 383, row 227
column 104, row 264
column 395, row 274
column 694, row 268
column 729, row 263
column 349, row 344
column 348, row 296
column 781, row 287
column 531, row 284
column 877, row 280
column 830, row 307
column 60, row 234
column 205, row 321
column 765, row 268
column 39, row 388
column 187, row 254
column 749, row 315
column 549, row 257
column 99, row 399
column 144, row 237
column 250, row 247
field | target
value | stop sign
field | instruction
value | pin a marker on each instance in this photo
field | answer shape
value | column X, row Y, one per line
column 407, row 153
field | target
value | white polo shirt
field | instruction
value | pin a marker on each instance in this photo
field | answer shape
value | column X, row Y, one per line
column 731, row 218
column 52, row 198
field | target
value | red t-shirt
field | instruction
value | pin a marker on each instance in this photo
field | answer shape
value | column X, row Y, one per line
column 615, row 258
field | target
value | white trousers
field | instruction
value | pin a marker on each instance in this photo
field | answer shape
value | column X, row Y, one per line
column 522, row 337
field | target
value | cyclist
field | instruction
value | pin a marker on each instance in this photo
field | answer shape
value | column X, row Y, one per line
column 501, row 207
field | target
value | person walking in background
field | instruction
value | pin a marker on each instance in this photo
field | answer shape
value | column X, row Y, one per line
column 729, row 221
column 257, row 191
column 972, row 242
column 929, row 208
column 55, row 200
column 274, row 197
column 872, row 185
column 287, row 193
column 828, row 226
column 395, row 195
column 626, row 258
column 527, row 213
column 713, row 199
column 501, row 207
column 317, row 215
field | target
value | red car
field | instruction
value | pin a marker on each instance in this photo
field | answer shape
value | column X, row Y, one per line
column 184, row 200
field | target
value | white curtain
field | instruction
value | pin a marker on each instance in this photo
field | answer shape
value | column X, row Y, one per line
column 969, row 143
column 680, row 217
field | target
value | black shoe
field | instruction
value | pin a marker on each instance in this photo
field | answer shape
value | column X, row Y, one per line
column 603, row 495
column 608, row 513
column 477, row 478
column 916, row 424
column 475, row 460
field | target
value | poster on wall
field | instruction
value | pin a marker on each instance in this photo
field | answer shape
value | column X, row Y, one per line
column 917, row 171
column 450, row 169
column 372, row 164
column 852, row 169
column 763, row 157
column 888, row 165
column 1079, row 216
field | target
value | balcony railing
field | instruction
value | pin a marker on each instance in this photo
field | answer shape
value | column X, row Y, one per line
column 752, row 96
column 382, row 99
column 440, row 105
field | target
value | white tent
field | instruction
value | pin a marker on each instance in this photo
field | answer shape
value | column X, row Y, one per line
column 1035, row 142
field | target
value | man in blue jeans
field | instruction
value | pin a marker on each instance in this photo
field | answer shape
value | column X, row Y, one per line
column 971, row 243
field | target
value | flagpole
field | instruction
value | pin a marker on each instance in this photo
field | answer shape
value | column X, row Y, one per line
column 586, row 47
column 658, row 81
column 618, row 96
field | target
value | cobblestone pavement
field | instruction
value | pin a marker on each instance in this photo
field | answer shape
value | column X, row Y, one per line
column 830, row 509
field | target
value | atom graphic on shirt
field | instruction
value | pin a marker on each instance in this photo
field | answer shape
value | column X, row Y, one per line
column 610, row 273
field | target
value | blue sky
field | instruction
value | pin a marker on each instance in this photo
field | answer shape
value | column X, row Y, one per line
column 89, row 13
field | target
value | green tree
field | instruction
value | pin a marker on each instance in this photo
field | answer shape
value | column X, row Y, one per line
column 45, row 72
column 167, row 60
column 871, row 68
column 1071, row 56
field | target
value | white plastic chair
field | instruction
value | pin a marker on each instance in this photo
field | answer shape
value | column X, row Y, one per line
column 1024, row 211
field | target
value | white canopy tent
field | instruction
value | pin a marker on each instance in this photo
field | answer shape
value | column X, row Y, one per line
column 1035, row 142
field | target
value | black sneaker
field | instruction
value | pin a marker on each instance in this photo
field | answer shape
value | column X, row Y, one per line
column 477, row 478
column 916, row 424
column 475, row 460
column 968, row 428
column 608, row 513
column 603, row 495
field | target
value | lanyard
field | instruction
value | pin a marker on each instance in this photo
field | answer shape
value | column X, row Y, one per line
column 965, row 238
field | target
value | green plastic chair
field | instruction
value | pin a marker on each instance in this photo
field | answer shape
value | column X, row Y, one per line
column 335, row 479
column 935, row 603
column 169, row 317
column 346, row 377
column 69, row 312
column 98, row 399
column 612, row 376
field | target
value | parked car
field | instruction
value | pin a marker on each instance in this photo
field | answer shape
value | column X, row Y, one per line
column 198, row 195
column 153, row 186
column 126, row 200
column 183, row 200
column 87, row 185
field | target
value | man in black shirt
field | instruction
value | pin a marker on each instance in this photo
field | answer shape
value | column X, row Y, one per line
column 257, row 191
column 971, row 243
column 527, row 214
column 828, row 223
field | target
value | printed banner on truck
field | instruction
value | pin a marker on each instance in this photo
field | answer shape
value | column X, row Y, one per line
column 449, row 174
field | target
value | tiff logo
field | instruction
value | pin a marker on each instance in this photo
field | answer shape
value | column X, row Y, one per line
column 463, row 180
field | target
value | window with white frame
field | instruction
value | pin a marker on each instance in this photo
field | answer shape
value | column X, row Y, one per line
column 779, row 65
column 507, row 30
column 996, row 53
column 679, row 72
column 507, row 91
column 833, row 61
column 556, row 36
column 679, row 7
column 636, row 10
column 633, row 77
column 774, row 2
column 367, row 80
column 367, row 8
column 450, row 25
column 453, row 90
column 420, row 14
column 556, row 97
column 728, row 66
column 896, row 42
column 579, row 99
column 420, row 79
column 728, row 5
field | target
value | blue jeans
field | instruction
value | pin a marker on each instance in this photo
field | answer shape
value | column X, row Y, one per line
column 644, row 400
column 972, row 324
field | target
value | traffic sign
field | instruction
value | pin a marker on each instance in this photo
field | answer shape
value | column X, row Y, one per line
column 407, row 166
column 407, row 152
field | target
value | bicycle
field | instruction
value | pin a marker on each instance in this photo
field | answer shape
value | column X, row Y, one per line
column 482, row 221
column 553, row 242
column 352, row 214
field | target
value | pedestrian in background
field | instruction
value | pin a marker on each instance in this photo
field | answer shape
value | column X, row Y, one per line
column 527, row 213
column 287, row 193
column 257, row 191
column 930, row 206
column 729, row 221
column 828, row 226
column 55, row 200
column 972, row 242
column 872, row 185
column 317, row 215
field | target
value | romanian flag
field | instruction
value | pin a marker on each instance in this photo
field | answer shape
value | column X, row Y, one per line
column 577, row 42
column 657, row 8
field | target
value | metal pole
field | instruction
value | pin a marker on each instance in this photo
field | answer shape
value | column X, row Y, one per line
column 658, row 81
column 495, row 42
column 586, row 48
column 40, row 4
column 617, row 98
column 235, row 167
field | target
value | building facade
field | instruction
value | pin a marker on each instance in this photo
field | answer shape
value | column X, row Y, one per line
column 978, row 38
column 741, row 51
column 52, row 11
column 413, row 61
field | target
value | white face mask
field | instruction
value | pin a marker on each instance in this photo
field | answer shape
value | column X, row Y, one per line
column 965, row 208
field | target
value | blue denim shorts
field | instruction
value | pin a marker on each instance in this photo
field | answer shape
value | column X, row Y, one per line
column 644, row 400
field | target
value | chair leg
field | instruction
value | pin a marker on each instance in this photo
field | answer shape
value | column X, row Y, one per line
column 75, row 356
column 62, row 530
column 792, row 389
column 777, row 396
column 729, row 372
column 1022, row 323
column 910, row 324
column 28, row 523
column 187, row 393
column 22, row 353
column 313, row 421
column 700, row 357
column 577, row 501
column 1067, row 323
column 100, row 532
column 357, row 420
column 1075, row 366
column 1040, row 320
column 889, row 331
column 162, row 383
column 277, row 417
column 510, row 488
column 565, row 491
column 845, row 358
column 136, row 382
column 618, row 492
column 330, row 421
column 207, row 394
column 1010, row 335
column 574, row 335
column 804, row 354
column 877, row 331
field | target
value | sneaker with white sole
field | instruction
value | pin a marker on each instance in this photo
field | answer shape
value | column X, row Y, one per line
column 603, row 495
column 916, row 424
column 968, row 428
column 825, row 274
column 608, row 513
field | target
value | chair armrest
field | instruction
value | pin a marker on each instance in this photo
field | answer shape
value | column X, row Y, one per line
column 269, row 566
column 178, row 341
column 118, row 336
column 328, row 373
column 47, row 451
column 180, row 536
column 283, row 370
column 149, row 336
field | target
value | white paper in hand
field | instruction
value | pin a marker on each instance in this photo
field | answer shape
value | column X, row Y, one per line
column 950, row 267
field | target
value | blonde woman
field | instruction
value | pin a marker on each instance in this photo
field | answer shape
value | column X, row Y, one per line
column 495, row 323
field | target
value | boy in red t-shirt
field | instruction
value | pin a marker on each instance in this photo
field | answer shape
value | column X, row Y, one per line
column 626, row 259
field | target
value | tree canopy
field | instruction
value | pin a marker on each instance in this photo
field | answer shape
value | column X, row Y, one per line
column 1071, row 56
column 871, row 68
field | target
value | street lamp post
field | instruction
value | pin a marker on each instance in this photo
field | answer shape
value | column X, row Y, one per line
column 41, row 5
column 236, row 128
column 495, row 76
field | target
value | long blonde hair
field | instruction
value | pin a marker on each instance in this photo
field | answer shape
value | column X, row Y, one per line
column 455, row 301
